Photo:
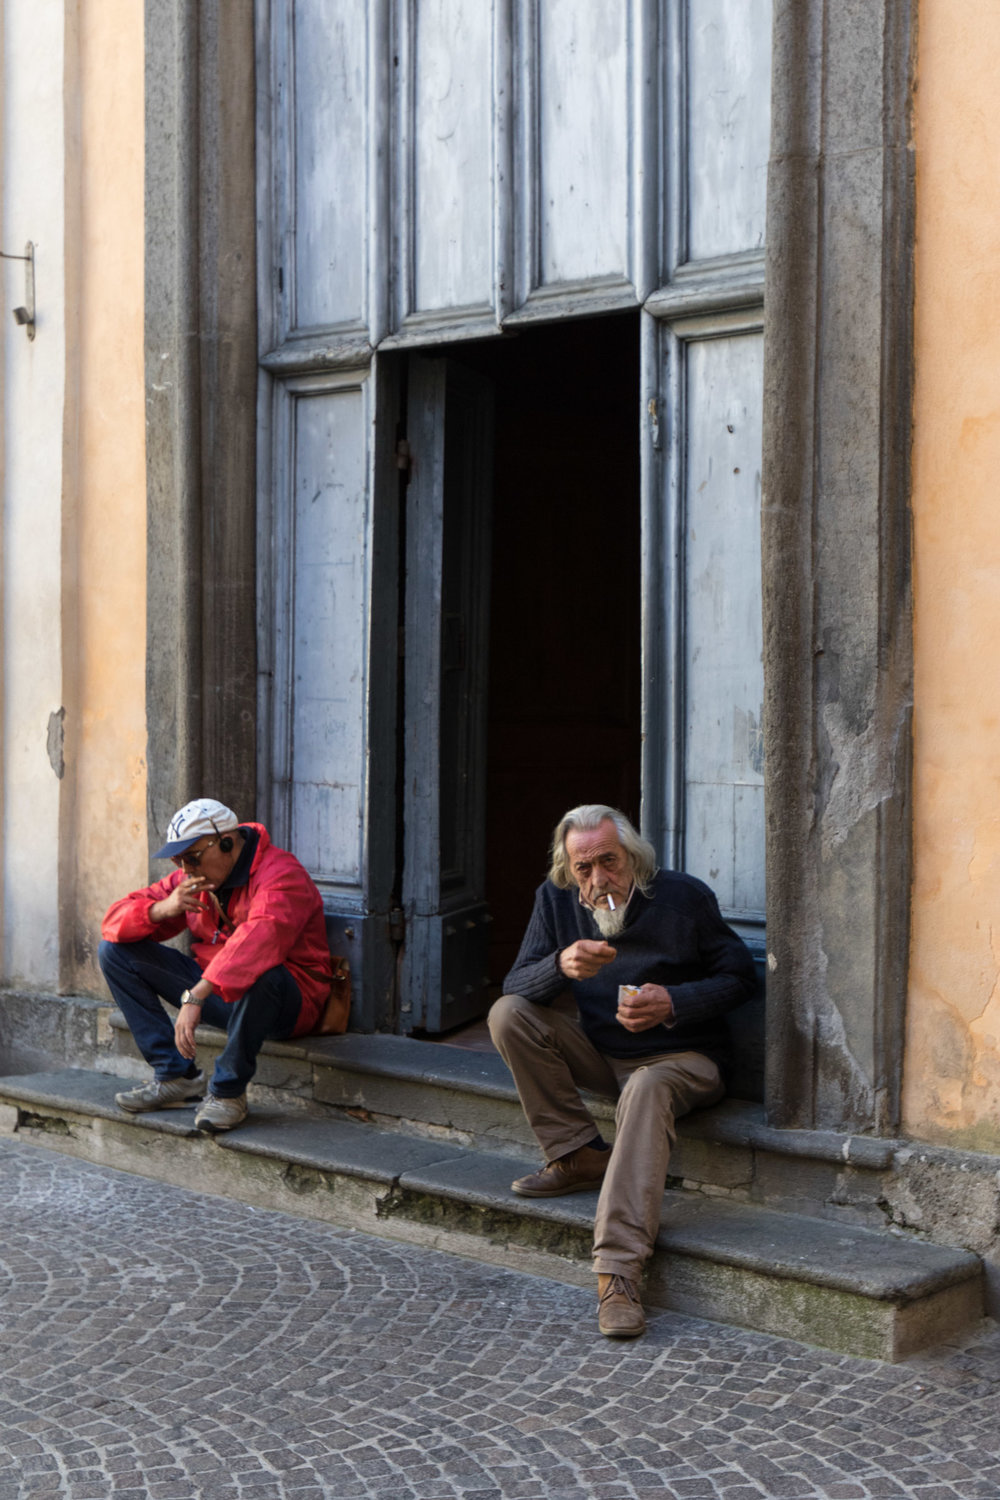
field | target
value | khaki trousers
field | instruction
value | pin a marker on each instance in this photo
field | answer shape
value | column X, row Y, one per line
column 551, row 1060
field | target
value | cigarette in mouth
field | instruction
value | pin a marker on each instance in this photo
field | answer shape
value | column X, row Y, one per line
column 611, row 902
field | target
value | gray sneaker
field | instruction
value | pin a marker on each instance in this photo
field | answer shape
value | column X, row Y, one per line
column 221, row 1114
column 168, row 1093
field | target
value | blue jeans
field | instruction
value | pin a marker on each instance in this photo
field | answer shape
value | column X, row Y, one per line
column 139, row 973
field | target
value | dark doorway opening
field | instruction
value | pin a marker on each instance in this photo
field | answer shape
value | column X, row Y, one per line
column 564, row 717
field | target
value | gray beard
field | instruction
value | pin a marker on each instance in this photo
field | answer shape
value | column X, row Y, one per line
column 609, row 923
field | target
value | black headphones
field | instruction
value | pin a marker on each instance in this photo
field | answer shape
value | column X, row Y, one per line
column 225, row 841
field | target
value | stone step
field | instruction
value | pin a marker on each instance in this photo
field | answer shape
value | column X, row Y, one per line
column 468, row 1096
column 448, row 1092
column 395, row 1082
column 844, row 1287
column 407, row 1079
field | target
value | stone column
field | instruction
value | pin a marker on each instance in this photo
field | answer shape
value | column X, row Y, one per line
column 837, row 635
column 201, row 374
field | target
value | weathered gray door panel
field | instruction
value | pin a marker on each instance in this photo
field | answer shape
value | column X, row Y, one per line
column 321, row 71
column 703, row 672
column 727, row 48
column 327, row 579
column 449, row 106
column 723, row 666
column 703, row 795
column 585, row 211
column 582, row 139
column 443, row 975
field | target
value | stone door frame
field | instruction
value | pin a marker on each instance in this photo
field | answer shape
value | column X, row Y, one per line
column 836, row 540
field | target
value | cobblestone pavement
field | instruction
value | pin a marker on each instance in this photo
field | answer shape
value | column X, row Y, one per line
column 155, row 1342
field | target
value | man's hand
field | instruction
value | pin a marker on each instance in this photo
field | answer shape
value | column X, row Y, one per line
column 188, row 1018
column 183, row 898
column 184, row 1029
column 650, row 1006
column 582, row 959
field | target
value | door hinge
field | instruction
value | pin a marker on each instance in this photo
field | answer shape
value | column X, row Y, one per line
column 397, row 925
column 404, row 456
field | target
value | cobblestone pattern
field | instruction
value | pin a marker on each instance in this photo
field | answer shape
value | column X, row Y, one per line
column 157, row 1344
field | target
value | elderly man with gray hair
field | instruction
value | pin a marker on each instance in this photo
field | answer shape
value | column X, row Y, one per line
column 652, row 968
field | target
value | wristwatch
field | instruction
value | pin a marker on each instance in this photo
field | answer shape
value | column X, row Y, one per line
column 188, row 999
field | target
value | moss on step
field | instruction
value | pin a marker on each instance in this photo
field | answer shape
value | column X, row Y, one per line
column 487, row 1222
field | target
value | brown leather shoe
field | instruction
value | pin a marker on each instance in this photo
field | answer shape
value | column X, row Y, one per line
column 576, row 1173
column 619, row 1310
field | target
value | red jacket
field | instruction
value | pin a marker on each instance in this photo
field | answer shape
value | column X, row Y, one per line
column 277, row 918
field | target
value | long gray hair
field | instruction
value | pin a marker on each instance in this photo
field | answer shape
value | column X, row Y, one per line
column 590, row 815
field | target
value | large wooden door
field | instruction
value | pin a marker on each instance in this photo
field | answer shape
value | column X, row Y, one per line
column 430, row 174
column 444, row 967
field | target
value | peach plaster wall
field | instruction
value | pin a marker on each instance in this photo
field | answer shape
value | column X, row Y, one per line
column 104, row 835
column 952, row 1056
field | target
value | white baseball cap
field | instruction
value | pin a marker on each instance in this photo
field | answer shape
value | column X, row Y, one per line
column 196, row 819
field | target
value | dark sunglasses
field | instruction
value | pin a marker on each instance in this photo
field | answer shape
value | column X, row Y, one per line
column 191, row 861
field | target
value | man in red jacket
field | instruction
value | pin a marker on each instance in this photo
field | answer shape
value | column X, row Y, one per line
column 261, row 967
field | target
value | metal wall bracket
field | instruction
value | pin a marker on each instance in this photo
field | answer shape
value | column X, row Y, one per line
column 25, row 315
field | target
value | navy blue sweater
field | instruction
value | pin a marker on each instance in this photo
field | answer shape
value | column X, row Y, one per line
column 674, row 937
